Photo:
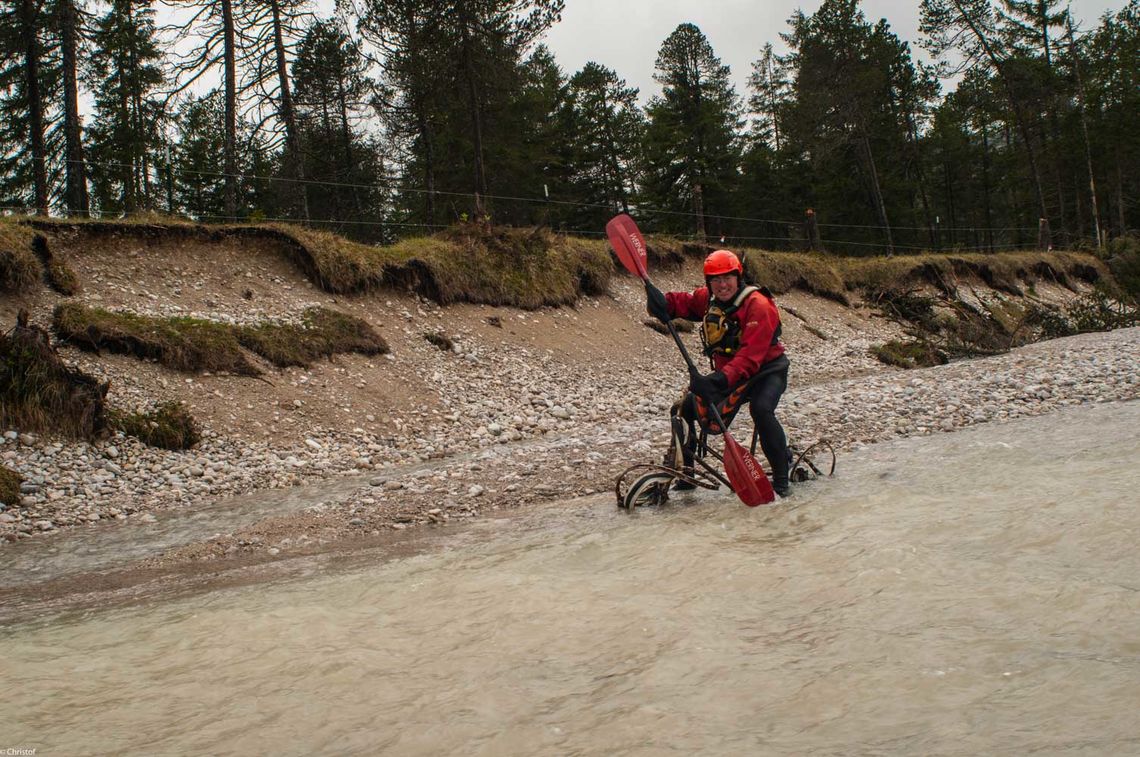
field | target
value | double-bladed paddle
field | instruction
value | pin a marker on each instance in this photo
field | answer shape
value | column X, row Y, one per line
column 744, row 473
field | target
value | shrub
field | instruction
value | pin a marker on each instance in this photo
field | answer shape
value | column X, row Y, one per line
column 39, row 393
column 321, row 333
column 169, row 426
column 19, row 269
column 917, row 354
column 10, row 482
column 184, row 344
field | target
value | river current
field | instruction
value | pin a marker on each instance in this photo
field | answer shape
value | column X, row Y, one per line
column 958, row 594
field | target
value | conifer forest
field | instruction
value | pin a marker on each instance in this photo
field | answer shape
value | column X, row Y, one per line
column 383, row 119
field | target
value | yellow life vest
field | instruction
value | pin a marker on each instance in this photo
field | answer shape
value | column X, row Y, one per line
column 720, row 332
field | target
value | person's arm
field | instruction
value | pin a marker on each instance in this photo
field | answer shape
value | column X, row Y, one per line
column 758, row 321
column 688, row 305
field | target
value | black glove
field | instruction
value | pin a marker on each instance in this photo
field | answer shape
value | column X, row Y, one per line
column 710, row 387
column 655, row 303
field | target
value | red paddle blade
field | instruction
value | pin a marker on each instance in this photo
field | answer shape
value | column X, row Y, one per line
column 629, row 245
column 745, row 474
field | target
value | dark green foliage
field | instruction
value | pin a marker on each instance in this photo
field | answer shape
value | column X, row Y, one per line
column 440, row 340
column 183, row 344
column 59, row 275
column 916, row 354
column 1124, row 262
column 169, row 426
column 601, row 129
column 19, row 270
column 39, row 393
column 691, row 150
column 125, row 136
column 347, row 166
column 321, row 333
column 10, row 482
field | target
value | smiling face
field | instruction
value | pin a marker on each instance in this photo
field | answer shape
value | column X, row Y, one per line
column 724, row 286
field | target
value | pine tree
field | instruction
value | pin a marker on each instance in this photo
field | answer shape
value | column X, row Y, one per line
column 268, row 29
column 602, row 126
column 29, row 76
column 126, row 134
column 330, row 82
column 691, row 153
column 452, row 69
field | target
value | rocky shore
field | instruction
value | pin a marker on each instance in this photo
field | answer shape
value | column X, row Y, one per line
column 527, row 426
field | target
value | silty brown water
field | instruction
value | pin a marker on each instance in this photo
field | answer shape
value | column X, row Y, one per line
column 968, row 593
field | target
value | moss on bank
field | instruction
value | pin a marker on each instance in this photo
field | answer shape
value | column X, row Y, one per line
column 534, row 267
column 39, row 393
column 195, row 345
column 19, row 269
column 321, row 333
column 10, row 482
column 169, row 426
column 183, row 344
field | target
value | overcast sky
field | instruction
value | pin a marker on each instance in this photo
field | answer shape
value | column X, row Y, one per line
column 625, row 35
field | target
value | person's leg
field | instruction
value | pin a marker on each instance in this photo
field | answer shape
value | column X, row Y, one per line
column 765, row 396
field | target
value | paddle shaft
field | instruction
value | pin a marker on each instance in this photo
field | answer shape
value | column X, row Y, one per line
column 693, row 372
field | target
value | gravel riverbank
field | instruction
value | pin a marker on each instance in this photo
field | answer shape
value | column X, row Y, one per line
column 526, row 424
column 554, row 447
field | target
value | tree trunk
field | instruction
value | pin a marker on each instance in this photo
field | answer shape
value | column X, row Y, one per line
column 127, row 161
column 1122, row 228
column 75, row 194
column 230, row 138
column 1085, row 134
column 475, row 112
column 349, row 157
column 29, row 22
column 288, row 116
column 699, row 209
column 986, row 188
column 876, row 190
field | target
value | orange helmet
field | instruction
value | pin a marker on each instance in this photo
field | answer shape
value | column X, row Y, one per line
column 722, row 261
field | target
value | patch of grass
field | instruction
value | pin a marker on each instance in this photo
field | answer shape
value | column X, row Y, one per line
column 19, row 269
column 39, row 393
column 917, row 354
column 440, row 340
column 321, row 333
column 10, row 482
column 183, row 344
column 1002, row 271
column 60, row 277
column 169, row 426
column 785, row 271
column 523, row 268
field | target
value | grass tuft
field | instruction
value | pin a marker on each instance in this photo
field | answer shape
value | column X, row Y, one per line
column 60, row 276
column 440, row 340
column 183, row 344
column 39, row 393
column 19, row 269
column 918, row 354
column 169, row 426
column 321, row 333
column 10, row 482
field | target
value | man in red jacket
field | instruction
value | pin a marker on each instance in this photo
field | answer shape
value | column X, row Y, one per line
column 740, row 330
